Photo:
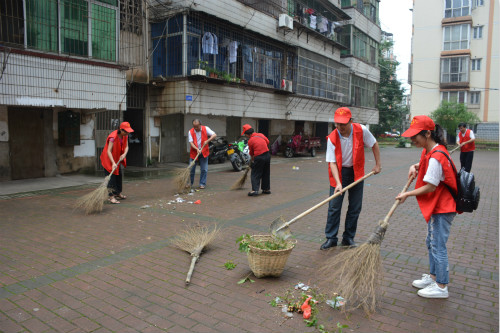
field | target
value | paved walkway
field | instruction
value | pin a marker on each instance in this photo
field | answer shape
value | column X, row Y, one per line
column 62, row 271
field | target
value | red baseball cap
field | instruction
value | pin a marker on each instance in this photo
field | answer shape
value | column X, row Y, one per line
column 126, row 126
column 246, row 127
column 342, row 115
column 419, row 123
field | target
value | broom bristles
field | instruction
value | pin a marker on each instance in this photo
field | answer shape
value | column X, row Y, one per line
column 93, row 202
column 355, row 275
column 194, row 238
column 241, row 181
column 181, row 179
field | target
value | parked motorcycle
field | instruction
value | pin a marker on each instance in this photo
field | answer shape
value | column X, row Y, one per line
column 218, row 150
column 239, row 154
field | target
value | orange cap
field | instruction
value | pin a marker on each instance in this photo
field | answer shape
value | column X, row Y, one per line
column 126, row 126
column 418, row 124
column 246, row 127
column 342, row 115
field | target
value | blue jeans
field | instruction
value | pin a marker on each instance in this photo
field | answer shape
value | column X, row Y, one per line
column 203, row 170
column 353, row 211
column 438, row 231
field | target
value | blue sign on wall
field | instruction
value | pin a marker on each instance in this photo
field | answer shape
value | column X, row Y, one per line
column 189, row 98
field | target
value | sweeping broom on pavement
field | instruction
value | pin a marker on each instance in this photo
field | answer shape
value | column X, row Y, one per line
column 241, row 181
column 182, row 175
column 193, row 240
column 93, row 202
column 356, row 274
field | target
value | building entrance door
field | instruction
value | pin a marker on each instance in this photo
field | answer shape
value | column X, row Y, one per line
column 172, row 138
column 26, row 143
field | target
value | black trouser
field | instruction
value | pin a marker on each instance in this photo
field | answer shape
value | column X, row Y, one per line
column 261, row 170
column 115, row 182
column 466, row 160
column 353, row 210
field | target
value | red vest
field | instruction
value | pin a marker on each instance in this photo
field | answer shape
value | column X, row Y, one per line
column 468, row 147
column 205, row 151
column 440, row 201
column 358, row 154
column 117, row 151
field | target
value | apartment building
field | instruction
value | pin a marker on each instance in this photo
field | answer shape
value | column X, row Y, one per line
column 72, row 70
column 64, row 70
column 282, row 66
column 455, row 58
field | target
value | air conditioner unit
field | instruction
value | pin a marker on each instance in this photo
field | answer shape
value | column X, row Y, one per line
column 285, row 22
column 288, row 86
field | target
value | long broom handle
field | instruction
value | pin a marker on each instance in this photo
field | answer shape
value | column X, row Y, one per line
column 191, row 269
column 326, row 200
column 385, row 222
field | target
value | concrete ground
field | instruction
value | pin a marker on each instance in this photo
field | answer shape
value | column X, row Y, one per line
column 62, row 271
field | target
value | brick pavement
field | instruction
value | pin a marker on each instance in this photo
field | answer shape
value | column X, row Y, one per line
column 62, row 271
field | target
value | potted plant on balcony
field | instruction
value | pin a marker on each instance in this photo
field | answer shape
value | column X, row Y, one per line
column 201, row 68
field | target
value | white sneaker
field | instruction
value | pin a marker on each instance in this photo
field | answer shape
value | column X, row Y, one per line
column 423, row 282
column 433, row 291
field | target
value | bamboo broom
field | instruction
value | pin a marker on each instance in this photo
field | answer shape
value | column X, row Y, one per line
column 357, row 273
column 241, row 181
column 193, row 240
column 93, row 202
column 182, row 175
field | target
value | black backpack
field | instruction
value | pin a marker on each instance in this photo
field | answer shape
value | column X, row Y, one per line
column 468, row 195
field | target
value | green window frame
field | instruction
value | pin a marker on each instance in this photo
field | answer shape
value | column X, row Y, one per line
column 63, row 26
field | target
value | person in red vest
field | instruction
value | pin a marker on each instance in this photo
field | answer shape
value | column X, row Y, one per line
column 115, row 151
column 199, row 137
column 435, row 181
column 345, row 156
column 261, row 161
column 465, row 139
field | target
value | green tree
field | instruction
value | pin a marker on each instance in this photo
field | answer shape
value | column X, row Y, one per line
column 449, row 114
column 390, row 94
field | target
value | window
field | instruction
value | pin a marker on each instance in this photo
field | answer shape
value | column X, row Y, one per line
column 477, row 32
column 11, row 22
column 475, row 97
column 363, row 92
column 364, row 47
column 44, row 28
column 322, row 77
column 454, row 69
column 219, row 48
column 454, row 96
column 456, row 37
column 456, row 8
column 477, row 3
column 476, row 64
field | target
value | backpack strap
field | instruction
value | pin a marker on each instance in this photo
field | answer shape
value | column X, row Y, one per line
column 454, row 195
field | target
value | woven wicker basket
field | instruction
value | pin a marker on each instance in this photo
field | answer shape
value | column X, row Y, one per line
column 268, row 262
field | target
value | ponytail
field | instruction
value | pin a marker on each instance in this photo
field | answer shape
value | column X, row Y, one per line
column 437, row 135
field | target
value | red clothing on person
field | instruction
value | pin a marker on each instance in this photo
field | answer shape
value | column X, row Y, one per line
column 205, row 151
column 118, row 149
column 468, row 147
column 358, row 154
column 440, row 201
column 258, row 144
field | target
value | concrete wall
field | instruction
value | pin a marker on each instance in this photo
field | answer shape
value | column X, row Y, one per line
column 41, row 82
column 231, row 100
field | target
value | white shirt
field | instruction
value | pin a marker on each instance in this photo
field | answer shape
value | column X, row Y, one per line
column 460, row 133
column 434, row 173
column 346, row 146
column 198, row 136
